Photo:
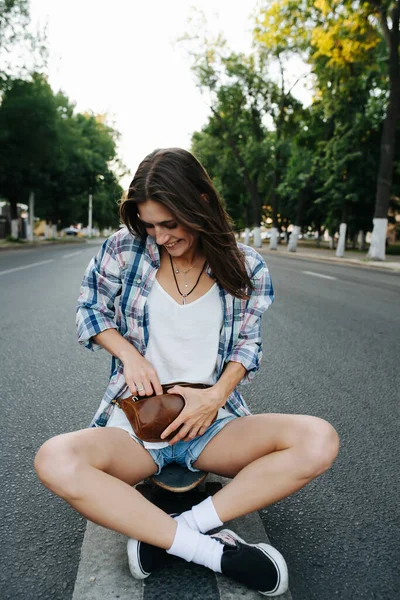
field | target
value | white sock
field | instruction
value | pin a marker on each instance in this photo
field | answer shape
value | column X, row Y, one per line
column 203, row 517
column 195, row 547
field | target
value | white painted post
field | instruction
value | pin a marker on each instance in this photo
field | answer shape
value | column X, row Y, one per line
column 361, row 240
column 294, row 236
column 90, row 216
column 342, row 240
column 14, row 229
column 31, row 215
column 257, row 237
column 377, row 249
column 273, row 240
column 247, row 236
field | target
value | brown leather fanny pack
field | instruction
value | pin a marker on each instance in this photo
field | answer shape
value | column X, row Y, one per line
column 151, row 415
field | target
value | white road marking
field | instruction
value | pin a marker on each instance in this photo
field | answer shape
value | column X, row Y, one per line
column 103, row 571
column 71, row 254
column 37, row 264
column 319, row 275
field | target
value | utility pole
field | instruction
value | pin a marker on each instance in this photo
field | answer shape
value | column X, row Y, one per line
column 90, row 216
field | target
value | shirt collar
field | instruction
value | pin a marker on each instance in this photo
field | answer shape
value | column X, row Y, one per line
column 153, row 251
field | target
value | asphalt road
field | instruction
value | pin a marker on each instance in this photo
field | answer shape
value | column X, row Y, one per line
column 331, row 349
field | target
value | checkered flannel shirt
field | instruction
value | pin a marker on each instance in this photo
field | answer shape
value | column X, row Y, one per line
column 125, row 267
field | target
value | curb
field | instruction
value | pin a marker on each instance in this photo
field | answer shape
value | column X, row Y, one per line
column 39, row 245
column 392, row 266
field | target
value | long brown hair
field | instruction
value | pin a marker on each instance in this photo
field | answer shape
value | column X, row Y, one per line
column 176, row 179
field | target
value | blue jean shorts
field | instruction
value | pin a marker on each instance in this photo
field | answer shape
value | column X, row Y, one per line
column 183, row 453
column 186, row 453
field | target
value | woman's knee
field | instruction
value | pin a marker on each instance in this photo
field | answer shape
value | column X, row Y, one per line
column 318, row 448
column 55, row 464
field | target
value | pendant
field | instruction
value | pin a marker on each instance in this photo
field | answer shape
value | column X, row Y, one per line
column 177, row 271
column 184, row 300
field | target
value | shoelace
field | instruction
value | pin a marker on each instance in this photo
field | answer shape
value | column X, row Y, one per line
column 225, row 538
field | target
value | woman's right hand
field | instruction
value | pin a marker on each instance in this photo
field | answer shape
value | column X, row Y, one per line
column 140, row 376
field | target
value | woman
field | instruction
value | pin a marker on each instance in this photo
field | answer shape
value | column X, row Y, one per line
column 190, row 308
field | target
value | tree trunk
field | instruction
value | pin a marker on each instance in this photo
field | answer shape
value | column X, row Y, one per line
column 342, row 240
column 361, row 240
column 256, row 205
column 332, row 239
column 319, row 234
column 385, row 174
column 257, row 242
column 247, row 214
column 298, row 223
column 14, row 229
column 273, row 240
column 294, row 236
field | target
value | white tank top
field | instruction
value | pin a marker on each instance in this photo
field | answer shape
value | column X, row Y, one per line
column 183, row 341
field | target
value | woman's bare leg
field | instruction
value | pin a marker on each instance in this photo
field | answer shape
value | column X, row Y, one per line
column 94, row 470
column 269, row 456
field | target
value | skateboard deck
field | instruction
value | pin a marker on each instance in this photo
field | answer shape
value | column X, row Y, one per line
column 177, row 479
column 177, row 489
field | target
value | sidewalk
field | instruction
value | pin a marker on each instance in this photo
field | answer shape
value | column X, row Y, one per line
column 351, row 257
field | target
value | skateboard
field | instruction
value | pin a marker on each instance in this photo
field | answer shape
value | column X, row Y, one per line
column 176, row 486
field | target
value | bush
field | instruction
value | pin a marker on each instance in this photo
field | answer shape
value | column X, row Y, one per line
column 393, row 249
column 13, row 240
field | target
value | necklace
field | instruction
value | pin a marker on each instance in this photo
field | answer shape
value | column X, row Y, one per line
column 185, row 283
column 184, row 296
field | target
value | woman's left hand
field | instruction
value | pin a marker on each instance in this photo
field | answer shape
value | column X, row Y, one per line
column 201, row 407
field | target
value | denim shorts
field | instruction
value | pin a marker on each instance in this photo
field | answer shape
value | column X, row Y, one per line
column 183, row 453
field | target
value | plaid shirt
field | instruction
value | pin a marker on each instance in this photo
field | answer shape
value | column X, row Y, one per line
column 126, row 267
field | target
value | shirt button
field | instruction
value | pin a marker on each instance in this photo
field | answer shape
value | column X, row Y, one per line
column 138, row 280
column 240, row 315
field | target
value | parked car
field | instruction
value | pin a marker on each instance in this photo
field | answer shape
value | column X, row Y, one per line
column 71, row 231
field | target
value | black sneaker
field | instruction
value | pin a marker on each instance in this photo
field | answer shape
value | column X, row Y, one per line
column 259, row 566
column 144, row 558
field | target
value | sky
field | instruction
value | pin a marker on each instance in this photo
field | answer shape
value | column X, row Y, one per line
column 122, row 58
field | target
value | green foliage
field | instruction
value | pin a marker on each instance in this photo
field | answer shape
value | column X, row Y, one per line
column 320, row 162
column 346, row 43
column 21, row 49
column 61, row 156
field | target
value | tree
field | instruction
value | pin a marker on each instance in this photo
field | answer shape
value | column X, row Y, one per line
column 344, row 41
column 62, row 156
column 21, row 49
column 223, row 161
column 28, row 136
column 387, row 12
